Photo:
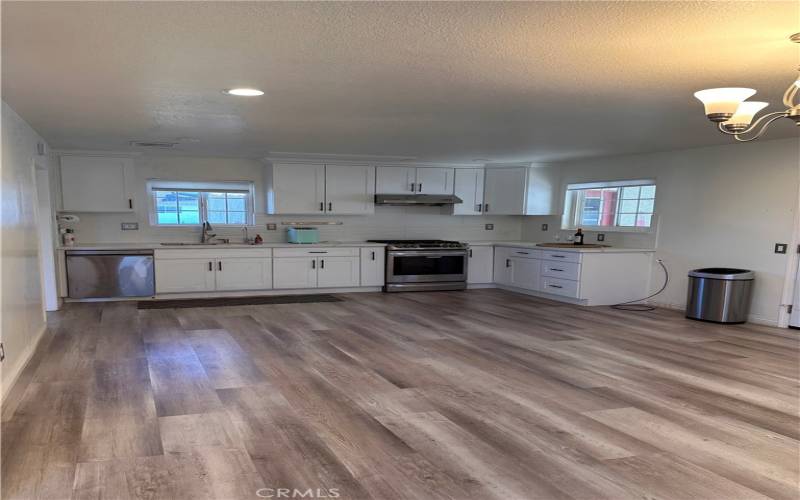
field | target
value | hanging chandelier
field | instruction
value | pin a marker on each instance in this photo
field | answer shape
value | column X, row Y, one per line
column 733, row 113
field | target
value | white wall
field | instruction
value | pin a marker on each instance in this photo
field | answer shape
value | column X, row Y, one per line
column 717, row 206
column 387, row 222
column 23, row 319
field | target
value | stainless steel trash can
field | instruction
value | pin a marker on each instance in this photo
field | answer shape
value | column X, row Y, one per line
column 719, row 294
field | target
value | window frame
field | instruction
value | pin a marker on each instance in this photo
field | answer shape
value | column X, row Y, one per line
column 203, row 188
column 570, row 213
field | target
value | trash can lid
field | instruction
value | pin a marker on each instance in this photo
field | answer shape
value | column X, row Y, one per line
column 723, row 273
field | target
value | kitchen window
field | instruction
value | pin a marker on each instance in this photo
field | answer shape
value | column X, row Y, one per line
column 617, row 205
column 175, row 203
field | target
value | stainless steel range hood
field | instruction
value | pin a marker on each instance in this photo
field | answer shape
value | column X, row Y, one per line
column 417, row 199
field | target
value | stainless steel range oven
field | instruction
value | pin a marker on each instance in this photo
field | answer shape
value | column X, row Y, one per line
column 424, row 265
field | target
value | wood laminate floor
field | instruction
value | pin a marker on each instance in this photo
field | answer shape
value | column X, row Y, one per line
column 469, row 395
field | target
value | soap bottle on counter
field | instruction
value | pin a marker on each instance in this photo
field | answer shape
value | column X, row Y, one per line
column 259, row 240
column 69, row 237
column 578, row 239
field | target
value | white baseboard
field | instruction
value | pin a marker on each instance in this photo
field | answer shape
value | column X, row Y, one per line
column 10, row 379
column 256, row 293
column 751, row 318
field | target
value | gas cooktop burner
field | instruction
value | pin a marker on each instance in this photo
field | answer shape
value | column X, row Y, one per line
column 427, row 244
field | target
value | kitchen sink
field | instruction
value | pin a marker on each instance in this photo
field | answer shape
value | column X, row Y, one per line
column 571, row 245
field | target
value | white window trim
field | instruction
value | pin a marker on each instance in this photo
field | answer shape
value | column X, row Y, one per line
column 568, row 215
column 202, row 186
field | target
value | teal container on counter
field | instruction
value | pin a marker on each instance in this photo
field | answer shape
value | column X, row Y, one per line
column 303, row 235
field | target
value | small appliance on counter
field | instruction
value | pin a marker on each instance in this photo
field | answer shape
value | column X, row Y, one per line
column 303, row 235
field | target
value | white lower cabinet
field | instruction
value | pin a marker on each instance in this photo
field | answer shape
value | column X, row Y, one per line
column 184, row 275
column 525, row 273
column 294, row 272
column 338, row 272
column 316, row 267
column 244, row 274
column 480, row 266
column 587, row 278
column 373, row 262
column 207, row 270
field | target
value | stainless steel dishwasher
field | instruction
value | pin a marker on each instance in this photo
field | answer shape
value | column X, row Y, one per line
column 110, row 273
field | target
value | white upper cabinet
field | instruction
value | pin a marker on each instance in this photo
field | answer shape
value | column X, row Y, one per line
column 396, row 180
column 298, row 188
column 97, row 184
column 414, row 180
column 435, row 180
column 521, row 191
column 349, row 189
column 469, row 187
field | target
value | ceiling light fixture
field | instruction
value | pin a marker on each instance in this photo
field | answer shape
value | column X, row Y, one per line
column 244, row 92
column 733, row 114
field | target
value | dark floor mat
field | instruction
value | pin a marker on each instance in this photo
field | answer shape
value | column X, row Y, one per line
column 235, row 301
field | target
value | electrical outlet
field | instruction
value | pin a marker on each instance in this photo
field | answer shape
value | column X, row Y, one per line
column 271, row 226
column 129, row 226
column 601, row 237
column 780, row 247
column 489, row 227
column 544, row 227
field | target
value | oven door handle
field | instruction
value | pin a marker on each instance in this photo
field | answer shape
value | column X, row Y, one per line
column 435, row 254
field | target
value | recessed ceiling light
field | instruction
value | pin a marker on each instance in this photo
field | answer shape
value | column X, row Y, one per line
column 244, row 92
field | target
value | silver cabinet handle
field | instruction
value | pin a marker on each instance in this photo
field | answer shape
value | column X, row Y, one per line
column 508, row 262
column 420, row 187
column 413, row 187
column 555, row 286
column 318, row 251
column 478, row 207
column 486, row 208
column 321, row 206
column 470, row 253
column 130, row 203
column 322, row 263
column 330, row 206
column 373, row 255
column 313, row 263
column 523, row 253
column 555, row 269
column 559, row 256
column 219, row 265
column 210, row 266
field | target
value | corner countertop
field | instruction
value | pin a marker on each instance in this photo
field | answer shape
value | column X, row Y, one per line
column 577, row 248
column 159, row 246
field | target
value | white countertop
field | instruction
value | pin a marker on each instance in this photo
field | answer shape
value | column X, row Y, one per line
column 576, row 248
column 159, row 246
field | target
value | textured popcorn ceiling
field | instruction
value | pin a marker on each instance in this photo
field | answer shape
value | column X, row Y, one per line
column 440, row 81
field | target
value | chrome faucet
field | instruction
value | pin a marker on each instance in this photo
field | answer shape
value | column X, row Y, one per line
column 246, row 238
column 205, row 237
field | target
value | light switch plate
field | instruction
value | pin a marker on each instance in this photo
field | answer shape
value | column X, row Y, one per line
column 271, row 226
column 601, row 237
column 489, row 227
column 781, row 247
column 129, row 226
column 544, row 227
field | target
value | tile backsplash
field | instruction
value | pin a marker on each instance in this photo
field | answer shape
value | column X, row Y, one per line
column 387, row 222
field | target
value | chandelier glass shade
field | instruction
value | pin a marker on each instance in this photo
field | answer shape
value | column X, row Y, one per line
column 733, row 113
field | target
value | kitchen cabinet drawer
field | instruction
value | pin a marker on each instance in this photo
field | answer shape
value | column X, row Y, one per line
column 317, row 252
column 525, row 253
column 560, row 256
column 556, row 286
column 561, row 270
